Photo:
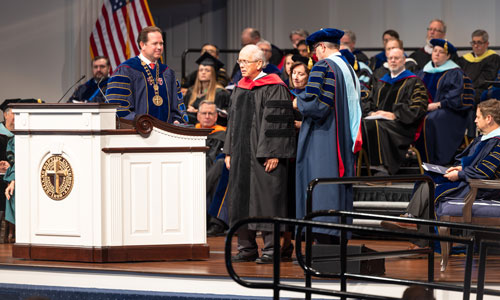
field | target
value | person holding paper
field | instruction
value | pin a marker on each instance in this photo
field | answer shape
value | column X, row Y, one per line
column 392, row 114
column 480, row 160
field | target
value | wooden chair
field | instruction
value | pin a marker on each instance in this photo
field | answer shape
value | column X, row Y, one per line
column 471, row 214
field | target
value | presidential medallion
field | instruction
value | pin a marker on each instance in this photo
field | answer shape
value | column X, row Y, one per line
column 57, row 177
column 157, row 100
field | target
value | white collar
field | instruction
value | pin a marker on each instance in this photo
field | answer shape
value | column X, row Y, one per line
column 397, row 74
column 144, row 59
column 261, row 74
column 493, row 133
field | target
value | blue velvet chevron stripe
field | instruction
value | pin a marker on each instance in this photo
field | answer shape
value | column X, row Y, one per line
column 489, row 166
column 468, row 93
column 321, row 84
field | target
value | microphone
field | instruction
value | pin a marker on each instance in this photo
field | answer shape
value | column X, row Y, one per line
column 81, row 78
column 99, row 87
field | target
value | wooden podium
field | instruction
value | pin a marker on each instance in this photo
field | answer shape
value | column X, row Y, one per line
column 90, row 188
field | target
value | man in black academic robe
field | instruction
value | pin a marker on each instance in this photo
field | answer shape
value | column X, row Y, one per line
column 94, row 89
column 482, row 64
column 395, row 109
column 260, row 139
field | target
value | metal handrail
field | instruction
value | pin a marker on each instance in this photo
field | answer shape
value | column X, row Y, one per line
column 277, row 286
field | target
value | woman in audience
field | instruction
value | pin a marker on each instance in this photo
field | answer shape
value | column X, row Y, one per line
column 285, row 75
column 452, row 96
column 206, row 87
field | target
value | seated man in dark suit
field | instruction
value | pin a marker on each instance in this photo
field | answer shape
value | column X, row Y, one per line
column 89, row 91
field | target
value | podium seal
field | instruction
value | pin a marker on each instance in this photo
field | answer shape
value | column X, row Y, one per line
column 57, row 177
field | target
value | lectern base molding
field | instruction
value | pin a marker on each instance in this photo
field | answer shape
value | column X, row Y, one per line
column 111, row 253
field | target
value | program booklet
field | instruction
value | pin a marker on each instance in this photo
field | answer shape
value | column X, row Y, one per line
column 434, row 168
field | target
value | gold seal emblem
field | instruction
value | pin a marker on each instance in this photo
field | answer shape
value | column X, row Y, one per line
column 157, row 100
column 57, row 177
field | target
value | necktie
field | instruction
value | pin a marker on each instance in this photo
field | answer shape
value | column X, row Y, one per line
column 152, row 65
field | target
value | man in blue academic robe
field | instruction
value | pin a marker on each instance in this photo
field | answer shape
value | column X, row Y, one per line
column 143, row 85
column 330, row 133
column 480, row 160
column 94, row 89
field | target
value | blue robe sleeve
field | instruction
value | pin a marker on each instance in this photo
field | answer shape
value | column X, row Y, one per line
column 178, row 107
column 318, row 99
column 455, row 92
column 488, row 168
column 119, row 91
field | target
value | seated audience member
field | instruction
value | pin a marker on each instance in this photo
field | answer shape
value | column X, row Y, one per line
column 435, row 30
column 452, row 96
column 481, row 64
column 265, row 46
column 362, row 70
column 399, row 101
column 298, row 35
column 349, row 41
column 222, row 77
column 89, row 91
column 480, row 160
column 6, row 134
column 417, row 292
column 285, row 75
column 217, row 173
column 303, row 49
column 377, row 60
column 493, row 92
column 410, row 64
column 252, row 36
column 206, row 87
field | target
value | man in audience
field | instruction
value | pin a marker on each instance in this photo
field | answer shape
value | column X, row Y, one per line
column 89, row 91
column 298, row 35
column 349, row 40
column 410, row 63
column 480, row 160
column 330, row 132
column 435, row 30
column 481, row 64
column 217, row 174
column 395, row 108
column 143, row 85
column 222, row 77
column 377, row 60
column 259, row 141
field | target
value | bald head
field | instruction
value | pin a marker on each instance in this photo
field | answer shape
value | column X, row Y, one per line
column 396, row 61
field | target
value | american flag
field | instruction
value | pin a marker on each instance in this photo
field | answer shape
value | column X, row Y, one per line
column 115, row 32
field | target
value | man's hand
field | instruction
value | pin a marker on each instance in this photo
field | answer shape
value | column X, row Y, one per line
column 10, row 189
column 451, row 176
column 294, row 104
column 456, row 168
column 227, row 160
column 191, row 109
column 385, row 114
column 4, row 165
column 270, row 164
column 433, row 106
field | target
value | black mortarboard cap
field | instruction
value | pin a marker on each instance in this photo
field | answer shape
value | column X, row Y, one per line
column 6, row 102
column 208, row 60
column 300, row 58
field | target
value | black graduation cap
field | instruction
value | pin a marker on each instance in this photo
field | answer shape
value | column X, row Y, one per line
column 208, row 60
column 6, row 102
column 300, row 58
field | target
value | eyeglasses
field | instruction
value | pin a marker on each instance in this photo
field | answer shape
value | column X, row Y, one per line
column 435, row 30
column 243, row 62
column 316, row 46
column 479, row 43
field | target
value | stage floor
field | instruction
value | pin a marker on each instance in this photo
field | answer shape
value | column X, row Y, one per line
column 404, row 268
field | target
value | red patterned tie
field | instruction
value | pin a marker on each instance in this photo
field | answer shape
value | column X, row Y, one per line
column 152, row 65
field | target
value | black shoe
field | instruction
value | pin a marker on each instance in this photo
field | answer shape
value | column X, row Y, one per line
column 240, row 257
column 265, row 259
column 215, row 229
column 286, row 253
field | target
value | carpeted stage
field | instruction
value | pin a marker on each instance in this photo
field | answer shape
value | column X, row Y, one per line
column 202, row 279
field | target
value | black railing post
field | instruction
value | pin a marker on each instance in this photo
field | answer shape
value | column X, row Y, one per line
column 276, row 260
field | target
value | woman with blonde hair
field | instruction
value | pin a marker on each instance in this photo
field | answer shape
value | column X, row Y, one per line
column 207, row 88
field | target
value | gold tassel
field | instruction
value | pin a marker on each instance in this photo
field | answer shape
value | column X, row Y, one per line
column 446, row 46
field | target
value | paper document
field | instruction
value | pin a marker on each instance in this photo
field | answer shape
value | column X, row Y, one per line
column 377, row 117
column 434, row 168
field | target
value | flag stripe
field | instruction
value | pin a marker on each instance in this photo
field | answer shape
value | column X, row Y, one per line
column 117, row 28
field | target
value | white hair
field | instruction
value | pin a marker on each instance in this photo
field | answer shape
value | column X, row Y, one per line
column 256, row 52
